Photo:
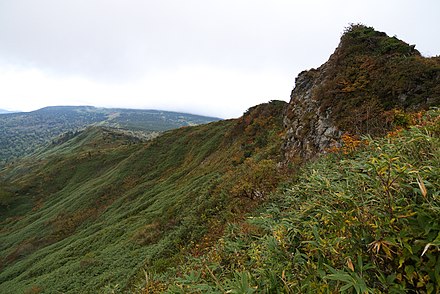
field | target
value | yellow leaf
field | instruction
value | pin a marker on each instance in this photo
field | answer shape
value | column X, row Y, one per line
column 420, row 284
column 350, row 264
column 422, row 186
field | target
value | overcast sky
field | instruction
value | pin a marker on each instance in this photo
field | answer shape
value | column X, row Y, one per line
column 207, row 57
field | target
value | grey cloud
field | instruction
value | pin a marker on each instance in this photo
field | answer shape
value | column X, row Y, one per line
column 124, row 39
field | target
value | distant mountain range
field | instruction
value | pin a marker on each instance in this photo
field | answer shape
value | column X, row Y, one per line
column 22, row 133
column 3, row 111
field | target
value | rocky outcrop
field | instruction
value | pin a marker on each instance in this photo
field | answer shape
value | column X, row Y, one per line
column 309, row 130
column 368, row 74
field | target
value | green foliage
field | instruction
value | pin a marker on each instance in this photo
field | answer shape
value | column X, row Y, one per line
column 359, row 38
column 6, row 196
column 364, row 222
column 24, row 132
column 371, row 73
column 256, row 179
column 91, row 213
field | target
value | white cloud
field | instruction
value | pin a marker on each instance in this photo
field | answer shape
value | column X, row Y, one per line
column 205, row 56
column 203, row 90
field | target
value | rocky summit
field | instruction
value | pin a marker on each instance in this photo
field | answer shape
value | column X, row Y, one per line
column 369, row 75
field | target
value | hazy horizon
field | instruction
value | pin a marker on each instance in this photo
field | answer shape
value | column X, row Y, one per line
column 100, row 107
column 203, row 57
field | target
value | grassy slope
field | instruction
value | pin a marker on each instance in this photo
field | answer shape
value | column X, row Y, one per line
column 365, row 220
column 22, row 133
column 100, row 207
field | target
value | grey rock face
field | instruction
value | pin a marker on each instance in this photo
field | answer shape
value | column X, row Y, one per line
column 309, row 129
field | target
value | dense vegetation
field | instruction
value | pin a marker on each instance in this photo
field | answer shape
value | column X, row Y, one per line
column 22, row 133
column 217, row 209
column 95, row 210
column 364, row 219
column 371, row 73
column 134, row 216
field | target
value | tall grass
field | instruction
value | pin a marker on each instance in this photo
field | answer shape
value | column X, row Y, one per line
column 362, row 221
column 100, row 209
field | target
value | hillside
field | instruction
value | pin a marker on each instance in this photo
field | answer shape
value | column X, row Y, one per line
column 102, row 207
column 335, row 191
column 24, row 132
column 363, row 219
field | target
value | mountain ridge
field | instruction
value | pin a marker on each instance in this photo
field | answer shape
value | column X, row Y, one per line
column 22, row 133
column 238, row 206
column 4, row 111
column 151, row 198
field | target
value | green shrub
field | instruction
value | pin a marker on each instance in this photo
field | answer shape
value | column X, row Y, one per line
column 364, row 222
